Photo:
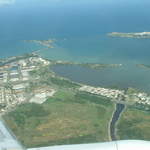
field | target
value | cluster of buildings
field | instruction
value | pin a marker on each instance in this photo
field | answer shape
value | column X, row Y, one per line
column 118, row 95
column 18, row 70
column 15, row 78
column 110, row 93
column 40, row 95
column 142, row 98
column 9, row 99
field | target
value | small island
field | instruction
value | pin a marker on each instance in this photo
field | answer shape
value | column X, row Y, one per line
column 47, row 43
column 137, row 35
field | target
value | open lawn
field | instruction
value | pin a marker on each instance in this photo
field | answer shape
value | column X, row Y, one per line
column 67, row 118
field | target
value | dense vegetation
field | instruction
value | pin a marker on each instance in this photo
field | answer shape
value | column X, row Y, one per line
column 67, row 118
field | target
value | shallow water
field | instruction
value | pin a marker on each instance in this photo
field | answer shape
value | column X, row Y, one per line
column 80, row 29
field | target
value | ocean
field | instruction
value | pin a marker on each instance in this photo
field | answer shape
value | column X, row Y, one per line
column 80, row 29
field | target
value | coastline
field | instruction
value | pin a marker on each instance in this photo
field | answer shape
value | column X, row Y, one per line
column 113, row 95
column 88, row 65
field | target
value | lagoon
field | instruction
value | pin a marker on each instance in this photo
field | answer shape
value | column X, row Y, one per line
column 120, row 77
column 80, row 29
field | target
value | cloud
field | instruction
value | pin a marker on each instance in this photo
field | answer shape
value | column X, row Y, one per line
column 6, row 2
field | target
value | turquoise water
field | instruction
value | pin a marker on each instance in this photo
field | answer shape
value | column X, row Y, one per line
column 80, row 29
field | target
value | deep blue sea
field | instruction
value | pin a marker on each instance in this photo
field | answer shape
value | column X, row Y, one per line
column 80, row 28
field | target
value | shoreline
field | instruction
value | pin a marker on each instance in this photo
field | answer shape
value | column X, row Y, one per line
column 88, row 65
column 116, row 96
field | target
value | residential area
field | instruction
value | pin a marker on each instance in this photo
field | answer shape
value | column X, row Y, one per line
column 118, row 95
column 16, row 84
column 15, row 78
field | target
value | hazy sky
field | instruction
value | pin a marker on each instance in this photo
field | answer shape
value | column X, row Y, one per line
column 6, row 2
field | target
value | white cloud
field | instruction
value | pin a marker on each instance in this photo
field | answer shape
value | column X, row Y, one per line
column 6, row 2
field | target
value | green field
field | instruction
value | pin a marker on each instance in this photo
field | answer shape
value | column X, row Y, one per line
column 134, row 124
column 67, row 118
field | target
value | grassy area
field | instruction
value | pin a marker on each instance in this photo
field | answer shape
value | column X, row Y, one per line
column 48, row 77
column 134, row 124
column 62, row 119
column 63, row 82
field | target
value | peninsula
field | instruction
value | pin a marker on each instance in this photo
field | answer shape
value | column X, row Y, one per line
column 89, row 65
column 43, row 108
